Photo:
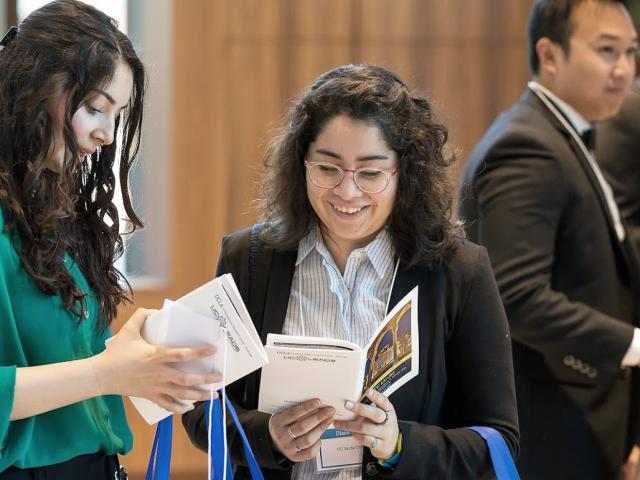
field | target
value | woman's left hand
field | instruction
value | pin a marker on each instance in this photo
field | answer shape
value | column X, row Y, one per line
column 376, row 426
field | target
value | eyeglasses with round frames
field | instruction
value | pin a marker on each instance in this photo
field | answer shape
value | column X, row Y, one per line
column 367, row 179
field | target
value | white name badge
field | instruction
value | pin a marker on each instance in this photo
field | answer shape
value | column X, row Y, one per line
column 338, row 450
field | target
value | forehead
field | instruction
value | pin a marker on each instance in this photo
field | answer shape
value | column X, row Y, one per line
column 343, row 126
column 592, row 19
column 118, row 90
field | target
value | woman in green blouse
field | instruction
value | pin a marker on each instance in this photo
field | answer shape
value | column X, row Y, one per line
column 70, row 84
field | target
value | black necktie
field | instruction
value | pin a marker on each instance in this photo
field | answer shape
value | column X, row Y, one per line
column 589, row 138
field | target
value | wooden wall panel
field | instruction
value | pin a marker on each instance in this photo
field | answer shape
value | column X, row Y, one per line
column 237, row 64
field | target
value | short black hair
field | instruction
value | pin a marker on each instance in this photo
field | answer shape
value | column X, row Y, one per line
column 551, row 19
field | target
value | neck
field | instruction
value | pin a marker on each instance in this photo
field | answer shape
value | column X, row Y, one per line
column 340, row 250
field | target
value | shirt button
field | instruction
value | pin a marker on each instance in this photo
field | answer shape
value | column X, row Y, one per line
column 372, row 469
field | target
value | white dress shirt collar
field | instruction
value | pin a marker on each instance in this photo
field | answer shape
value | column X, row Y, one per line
column 577, row 121
column 377, row 251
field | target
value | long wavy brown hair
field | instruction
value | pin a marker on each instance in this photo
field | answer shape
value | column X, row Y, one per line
column 66, row 49
column 421, row 223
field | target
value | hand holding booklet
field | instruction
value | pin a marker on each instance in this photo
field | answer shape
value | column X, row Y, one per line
column 302, row 368
column 211, row 315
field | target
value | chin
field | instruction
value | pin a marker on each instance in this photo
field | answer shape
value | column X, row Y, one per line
column 606, row 114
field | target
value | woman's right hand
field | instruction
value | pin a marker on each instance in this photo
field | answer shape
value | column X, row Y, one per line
column 131, row 366
column 296, row 431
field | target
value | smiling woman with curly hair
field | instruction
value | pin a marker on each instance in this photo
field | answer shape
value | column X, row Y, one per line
column 420, row 225
column 356, row 214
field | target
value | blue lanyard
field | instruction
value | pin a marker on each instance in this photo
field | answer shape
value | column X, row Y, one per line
column 502, row 460
column 160, row 459
column 216, row 440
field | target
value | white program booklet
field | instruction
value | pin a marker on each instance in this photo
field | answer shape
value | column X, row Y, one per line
column 211, row 315
column 302, row 368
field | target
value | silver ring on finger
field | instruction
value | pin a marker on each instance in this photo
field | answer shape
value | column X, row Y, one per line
column 386, row 418
column 295, row 445
column 292, row 435
column 374, row 443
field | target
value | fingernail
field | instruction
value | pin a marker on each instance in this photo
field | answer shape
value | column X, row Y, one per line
column 349, row 405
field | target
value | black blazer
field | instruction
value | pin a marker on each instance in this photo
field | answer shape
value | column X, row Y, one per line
column 568, row 286
column 618, row 152
column 465, row 377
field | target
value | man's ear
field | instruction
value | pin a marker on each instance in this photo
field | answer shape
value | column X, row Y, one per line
column 548, row 55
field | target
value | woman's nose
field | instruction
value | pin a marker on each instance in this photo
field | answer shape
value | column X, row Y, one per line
column 347, row 187
column 106, row 132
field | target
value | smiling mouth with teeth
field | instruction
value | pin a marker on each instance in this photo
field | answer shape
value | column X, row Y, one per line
column 347, row 209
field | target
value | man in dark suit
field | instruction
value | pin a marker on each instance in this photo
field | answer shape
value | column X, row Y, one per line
column 618, row 152
column 534, row 196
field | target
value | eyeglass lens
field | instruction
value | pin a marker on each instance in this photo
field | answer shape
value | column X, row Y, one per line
column 370, row 180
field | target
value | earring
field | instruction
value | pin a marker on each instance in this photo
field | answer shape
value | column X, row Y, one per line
column 99, row 149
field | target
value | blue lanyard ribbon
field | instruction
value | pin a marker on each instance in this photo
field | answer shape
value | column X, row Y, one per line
column 160, row 459
column 503, row 464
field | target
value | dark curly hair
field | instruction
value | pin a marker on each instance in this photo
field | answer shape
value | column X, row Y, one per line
column 421, row 223
column 66, row 49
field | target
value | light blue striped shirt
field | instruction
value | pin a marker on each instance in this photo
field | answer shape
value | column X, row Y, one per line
column 348, row 307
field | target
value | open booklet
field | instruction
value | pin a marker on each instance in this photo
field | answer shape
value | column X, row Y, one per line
column 213, row 314
column 302, row 368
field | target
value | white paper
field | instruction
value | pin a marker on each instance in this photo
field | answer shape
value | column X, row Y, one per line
column 338, row 451
column 212, row 315
column 302, row 368
column 295, row 375
column 178, row 326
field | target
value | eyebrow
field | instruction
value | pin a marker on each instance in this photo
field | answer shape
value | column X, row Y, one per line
column 111, row 100
column 331, row 154
column 615, row 38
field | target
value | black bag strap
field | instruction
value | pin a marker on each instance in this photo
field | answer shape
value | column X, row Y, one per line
column 253, row 249
column 251, row 390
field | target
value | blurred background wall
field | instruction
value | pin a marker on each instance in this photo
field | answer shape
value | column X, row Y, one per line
column 222, row 74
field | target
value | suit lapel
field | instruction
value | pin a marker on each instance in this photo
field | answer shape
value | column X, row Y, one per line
column 625, row 249
column 595, row 184
column 278, row 290
column 269, row 297
column 406, row 280
column 582, row 160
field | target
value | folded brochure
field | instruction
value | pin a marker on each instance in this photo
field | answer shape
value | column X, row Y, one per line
column 211, row 315
column 302, row 368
